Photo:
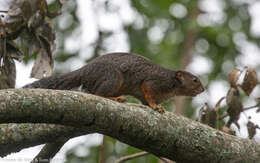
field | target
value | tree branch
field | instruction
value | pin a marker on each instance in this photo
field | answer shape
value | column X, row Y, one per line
column 15, row 137
column 49, row 151
column 165, row 135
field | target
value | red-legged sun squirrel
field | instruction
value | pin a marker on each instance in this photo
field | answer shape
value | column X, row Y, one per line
column 117, row 74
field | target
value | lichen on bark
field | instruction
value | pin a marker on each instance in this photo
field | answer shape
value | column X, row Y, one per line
column 166, row 135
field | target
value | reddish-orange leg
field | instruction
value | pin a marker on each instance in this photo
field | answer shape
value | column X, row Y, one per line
column 147, row 94
column 119, row 98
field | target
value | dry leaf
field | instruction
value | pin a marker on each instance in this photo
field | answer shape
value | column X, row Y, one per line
column 208, row 115
column 2, row 39
column 2, row 47
column 251, row 128
column 43, row 66
column 3, row 79
column 235, row 106
column 31, row 12
column 7, row 74
column 36, row 20
column 10, row 69
column 13, row 51
column 27, row 10
column 250, row 81
column 47, row 31
column 15, row 9
column 58, row 12
column 37, row 36
column 47, row 46
column 29, row 42
column 233, row 77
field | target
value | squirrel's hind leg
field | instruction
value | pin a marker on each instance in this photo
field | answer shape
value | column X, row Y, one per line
column 118, row 99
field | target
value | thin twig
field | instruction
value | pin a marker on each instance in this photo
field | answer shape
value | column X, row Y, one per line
column 165, row 160
column 130, row 157
column 250, row 107
column 245, row 109
column 223, row 116
column 219, row 102
column 102, row 150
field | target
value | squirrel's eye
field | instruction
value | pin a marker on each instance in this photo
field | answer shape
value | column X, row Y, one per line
column 195, row 80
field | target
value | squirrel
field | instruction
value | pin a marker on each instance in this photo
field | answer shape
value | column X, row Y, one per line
column 117, row 74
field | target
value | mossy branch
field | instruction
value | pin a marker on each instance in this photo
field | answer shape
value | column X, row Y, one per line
column 165, row 135
column 15, row 137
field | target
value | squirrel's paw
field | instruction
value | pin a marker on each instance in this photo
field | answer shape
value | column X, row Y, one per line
column 158, row 108
column 118, row 99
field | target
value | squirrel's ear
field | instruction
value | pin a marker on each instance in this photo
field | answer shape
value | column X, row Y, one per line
column 180, row 75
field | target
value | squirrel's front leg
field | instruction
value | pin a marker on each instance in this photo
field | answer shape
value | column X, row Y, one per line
column 118, row 99
column 149, row 96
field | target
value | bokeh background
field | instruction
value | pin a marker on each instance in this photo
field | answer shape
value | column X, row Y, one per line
column 207, row 37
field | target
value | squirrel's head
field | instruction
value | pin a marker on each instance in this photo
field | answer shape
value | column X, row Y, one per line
column 190, row 84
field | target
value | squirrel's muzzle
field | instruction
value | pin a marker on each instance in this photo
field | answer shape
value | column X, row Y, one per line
column 198, row 90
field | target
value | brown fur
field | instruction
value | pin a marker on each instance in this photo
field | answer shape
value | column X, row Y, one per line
column 117, row 74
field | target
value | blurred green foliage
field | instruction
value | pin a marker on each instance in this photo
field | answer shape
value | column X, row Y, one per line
column 166, row 31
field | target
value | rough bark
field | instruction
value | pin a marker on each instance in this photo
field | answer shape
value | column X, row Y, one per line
column 15, row 137
column 165, row 135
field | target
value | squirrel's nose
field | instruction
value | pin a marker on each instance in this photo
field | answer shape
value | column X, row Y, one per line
column 202, row 89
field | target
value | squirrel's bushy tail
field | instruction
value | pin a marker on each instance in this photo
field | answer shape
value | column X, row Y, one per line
column 64, row 81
